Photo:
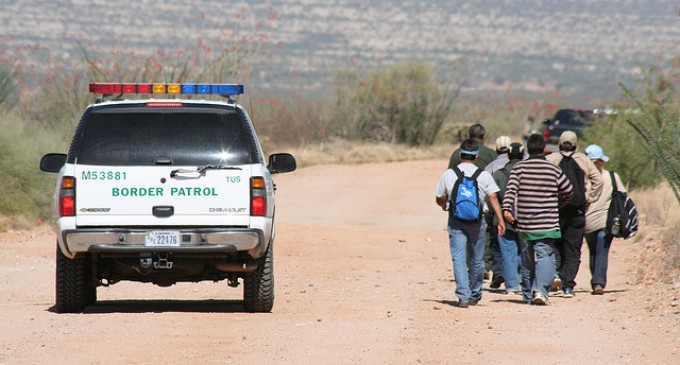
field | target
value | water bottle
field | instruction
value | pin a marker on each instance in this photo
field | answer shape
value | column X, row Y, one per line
column 616, row 226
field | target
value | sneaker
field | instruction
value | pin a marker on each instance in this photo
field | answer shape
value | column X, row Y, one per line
column 557, row 284
column 463, row 304
column 598, row 289
column 496, row 282
column 539, row 299
column 568, row 293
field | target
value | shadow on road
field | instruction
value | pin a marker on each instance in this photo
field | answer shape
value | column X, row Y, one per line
column 163, row 306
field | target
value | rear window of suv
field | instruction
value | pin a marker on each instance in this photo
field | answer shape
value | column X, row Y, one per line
column 570, row 117
column 143, row 136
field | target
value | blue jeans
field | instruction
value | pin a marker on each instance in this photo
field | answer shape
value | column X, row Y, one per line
column 598, row 244
column 509, row 249
column 469, row 274
column 538, row 266
column 495, row 253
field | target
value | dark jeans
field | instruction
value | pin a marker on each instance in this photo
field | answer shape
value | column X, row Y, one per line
column 572, row 223
column 598, row 244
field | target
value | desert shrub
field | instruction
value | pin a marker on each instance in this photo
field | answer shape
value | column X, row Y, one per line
column 624, row 148
column 656, row 118
column 401, row 103
column 24, row 191
column 293, row 121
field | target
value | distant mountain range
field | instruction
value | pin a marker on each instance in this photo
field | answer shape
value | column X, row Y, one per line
column 577, row 47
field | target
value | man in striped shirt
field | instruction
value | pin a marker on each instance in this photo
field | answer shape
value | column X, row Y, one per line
column 535, row 191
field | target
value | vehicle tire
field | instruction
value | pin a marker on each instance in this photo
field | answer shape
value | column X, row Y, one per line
column 258, row 286
column 74, row 288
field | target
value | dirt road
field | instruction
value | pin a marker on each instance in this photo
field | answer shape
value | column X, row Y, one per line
column 363, row 276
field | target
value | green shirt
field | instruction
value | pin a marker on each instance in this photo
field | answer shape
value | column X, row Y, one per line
column 537, row 236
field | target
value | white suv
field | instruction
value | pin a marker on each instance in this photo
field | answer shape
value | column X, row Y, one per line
column 164, row 191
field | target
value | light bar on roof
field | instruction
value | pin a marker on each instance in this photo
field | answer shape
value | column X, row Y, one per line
column 172, row 89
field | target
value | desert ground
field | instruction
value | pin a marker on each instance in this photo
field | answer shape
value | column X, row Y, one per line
column 363, row 276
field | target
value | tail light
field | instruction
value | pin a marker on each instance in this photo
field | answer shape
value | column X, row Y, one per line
column 258, row 197
column 546, row 134
column 67, row 197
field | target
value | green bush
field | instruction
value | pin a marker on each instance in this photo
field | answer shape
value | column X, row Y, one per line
column 398, row 104
column 658, row 126
column 624, row 148
column 25, row 191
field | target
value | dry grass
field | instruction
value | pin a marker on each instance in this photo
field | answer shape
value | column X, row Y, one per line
column 18, row 223
column 658, row 265
column 659, row 231
column 657, row 206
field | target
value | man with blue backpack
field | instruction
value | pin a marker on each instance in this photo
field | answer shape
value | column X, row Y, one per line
column 461, row 191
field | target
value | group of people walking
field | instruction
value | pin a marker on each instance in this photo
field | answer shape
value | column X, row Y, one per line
column 535, row 210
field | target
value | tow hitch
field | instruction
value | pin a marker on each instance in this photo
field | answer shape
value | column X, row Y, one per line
column 162, row 261
column 159, row 261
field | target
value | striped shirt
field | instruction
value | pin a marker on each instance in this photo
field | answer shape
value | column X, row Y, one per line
column 536, row 189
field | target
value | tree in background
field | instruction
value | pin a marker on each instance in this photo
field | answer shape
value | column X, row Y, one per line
column 398, row 104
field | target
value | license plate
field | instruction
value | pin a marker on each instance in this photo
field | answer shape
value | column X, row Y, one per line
column 162, row 239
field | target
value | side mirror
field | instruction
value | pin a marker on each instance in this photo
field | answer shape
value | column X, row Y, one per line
column 52, row 162
column 547, row 121
column 281, row 162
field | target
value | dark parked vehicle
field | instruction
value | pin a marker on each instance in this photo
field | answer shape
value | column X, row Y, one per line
column 575, row 120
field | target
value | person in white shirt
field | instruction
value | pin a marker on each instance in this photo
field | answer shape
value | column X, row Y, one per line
column 467, row 237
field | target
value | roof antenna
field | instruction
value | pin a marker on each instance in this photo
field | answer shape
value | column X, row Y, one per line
column 250, row 107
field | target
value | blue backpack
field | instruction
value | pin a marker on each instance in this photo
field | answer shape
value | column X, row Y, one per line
column 465, row 203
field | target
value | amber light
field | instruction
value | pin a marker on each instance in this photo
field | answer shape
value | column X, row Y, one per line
column 257, row 183
column 174, row 88
column 67, row 199
column 68, row 182
column 159, row 88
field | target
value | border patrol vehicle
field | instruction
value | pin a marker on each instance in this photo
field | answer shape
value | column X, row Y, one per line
column 164, row 191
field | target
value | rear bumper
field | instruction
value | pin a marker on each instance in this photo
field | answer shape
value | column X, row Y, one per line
column 192, row 240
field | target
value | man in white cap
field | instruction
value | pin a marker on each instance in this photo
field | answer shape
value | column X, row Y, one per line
column 502, row 146
column 587, row 183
